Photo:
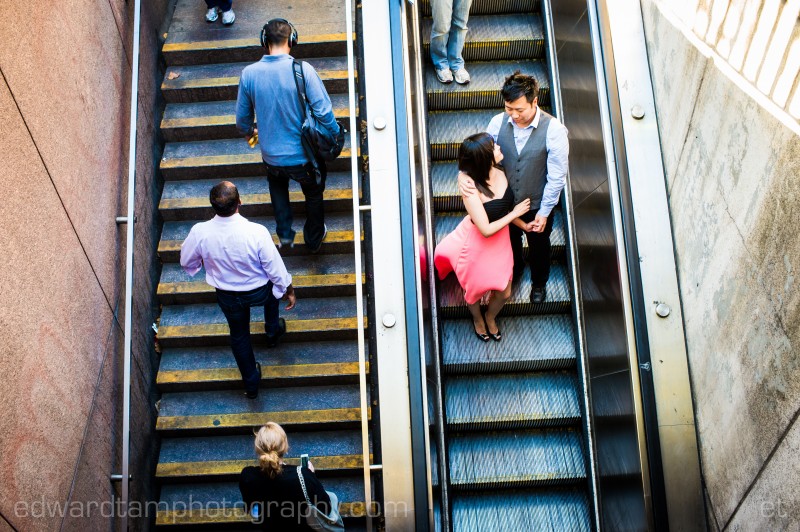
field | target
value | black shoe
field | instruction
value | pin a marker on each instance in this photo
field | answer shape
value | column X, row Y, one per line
column 538, row 294
column 324, row 234
column 253, row 395
column 482, row 337
column 496, row 336
column 272, row 341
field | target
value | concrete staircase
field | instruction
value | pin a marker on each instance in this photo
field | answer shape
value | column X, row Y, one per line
column 310, row 381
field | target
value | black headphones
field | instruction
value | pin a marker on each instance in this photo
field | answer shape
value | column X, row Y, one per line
column 292, row 37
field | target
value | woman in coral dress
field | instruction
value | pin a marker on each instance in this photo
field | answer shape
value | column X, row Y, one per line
column 479, row 249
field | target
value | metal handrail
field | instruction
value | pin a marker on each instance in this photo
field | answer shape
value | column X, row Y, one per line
column 357, row 209
column 130, row 222
column 569, row 215
column 601, row 76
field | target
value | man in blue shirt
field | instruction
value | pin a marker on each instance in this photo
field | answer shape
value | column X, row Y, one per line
column 267, row 89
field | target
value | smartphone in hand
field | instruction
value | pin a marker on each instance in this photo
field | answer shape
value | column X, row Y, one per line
column 304, row 460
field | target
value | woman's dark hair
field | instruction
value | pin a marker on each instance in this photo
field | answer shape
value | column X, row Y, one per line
column 224, row 198
column 518, row 84
column 476, row 158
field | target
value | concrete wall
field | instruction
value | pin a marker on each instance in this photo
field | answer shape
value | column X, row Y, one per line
column 732, row 158
column 64, row 96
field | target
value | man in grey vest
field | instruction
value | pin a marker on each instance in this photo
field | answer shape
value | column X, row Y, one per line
column 536, row 152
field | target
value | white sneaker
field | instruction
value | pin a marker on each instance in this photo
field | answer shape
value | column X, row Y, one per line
column 444, row 75
column 211, row 15
column 462, row 76
column 228, row 17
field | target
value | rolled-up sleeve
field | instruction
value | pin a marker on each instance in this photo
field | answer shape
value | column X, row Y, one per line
column 557, row 166
column 191, row 260
column 245, row 114
column 273, row 266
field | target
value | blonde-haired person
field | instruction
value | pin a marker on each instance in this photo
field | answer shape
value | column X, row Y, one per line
column 276, row 488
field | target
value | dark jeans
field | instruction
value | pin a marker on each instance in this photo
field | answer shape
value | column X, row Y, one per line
column 278, row 177
column 223, row 5
column 538, row 249
column 236, row 307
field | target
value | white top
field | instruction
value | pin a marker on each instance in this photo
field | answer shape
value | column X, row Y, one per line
column 238, row 255
column 557, row 153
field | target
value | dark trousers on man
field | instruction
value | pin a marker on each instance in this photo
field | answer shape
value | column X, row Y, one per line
column 538, row 249
column 236, row 307
column 222, row 5
column 278, row 178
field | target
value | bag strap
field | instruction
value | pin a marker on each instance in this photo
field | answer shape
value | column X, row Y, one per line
column 303, row 484
column 300, row 83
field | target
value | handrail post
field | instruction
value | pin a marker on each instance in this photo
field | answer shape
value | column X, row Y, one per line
column 126, row 384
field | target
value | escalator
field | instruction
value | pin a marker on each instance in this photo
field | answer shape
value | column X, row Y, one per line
column 515, row 445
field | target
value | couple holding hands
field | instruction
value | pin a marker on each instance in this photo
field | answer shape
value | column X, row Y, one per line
column 505, row 202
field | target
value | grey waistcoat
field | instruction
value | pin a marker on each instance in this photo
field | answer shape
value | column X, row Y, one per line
column 526, row 171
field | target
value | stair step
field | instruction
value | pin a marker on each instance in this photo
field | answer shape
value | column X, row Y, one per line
column 312, row 276
column 217, row 120
column 492, row 7
column 220, row 159
column 188, row 199
column 220, row 503
column 516, row 459
column 338, row 240
column 452, row 305
column 220, row 81
column 193, row 41
column 483, row 92
column 506, row 401
column 553, row 509
column 289, row 363
column 330, row 318
column 229, row 411
column 222, row 457
column 445, row 224
column 497, row 37
column 530, row 343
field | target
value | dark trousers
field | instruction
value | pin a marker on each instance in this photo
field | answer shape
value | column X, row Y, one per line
column 223, row 5
column 279, row 177
column 236, row 307
column 538, row 249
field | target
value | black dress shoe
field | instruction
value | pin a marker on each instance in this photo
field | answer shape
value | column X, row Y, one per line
column 538, row 294
column 272, row 341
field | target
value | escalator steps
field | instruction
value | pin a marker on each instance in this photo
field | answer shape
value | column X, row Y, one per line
column 512, row 400
column 556, row 510
column 511, row 459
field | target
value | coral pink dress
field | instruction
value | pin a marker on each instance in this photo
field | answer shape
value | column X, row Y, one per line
column 481, row 264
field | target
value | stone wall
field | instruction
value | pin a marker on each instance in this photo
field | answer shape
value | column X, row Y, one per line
column 64, row 98
column 732, row 160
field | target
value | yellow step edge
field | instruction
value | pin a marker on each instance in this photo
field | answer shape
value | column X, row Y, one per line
column 232, row 81
column 253, row 419
column 245, row 42
column 223, row 120
column 299, row 281
column 253, row 157
column 292, row 326
column 233, row 467
column 333, row 237
column 198, row 515
column 267, row 372
column 251, row 199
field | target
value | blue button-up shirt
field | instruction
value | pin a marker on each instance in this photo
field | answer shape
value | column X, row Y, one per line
column 267, row 90
column 238, row 255
column 557, row 154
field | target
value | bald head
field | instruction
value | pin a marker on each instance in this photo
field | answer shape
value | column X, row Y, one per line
column 225, row 198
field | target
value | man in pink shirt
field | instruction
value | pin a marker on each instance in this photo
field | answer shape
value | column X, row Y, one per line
column 242, row 263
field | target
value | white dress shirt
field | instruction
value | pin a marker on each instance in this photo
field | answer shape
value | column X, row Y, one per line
column 557, row 154
column 238, row 255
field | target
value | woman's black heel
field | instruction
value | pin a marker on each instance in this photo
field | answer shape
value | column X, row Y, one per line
column 494, row 336
column 482, row 337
